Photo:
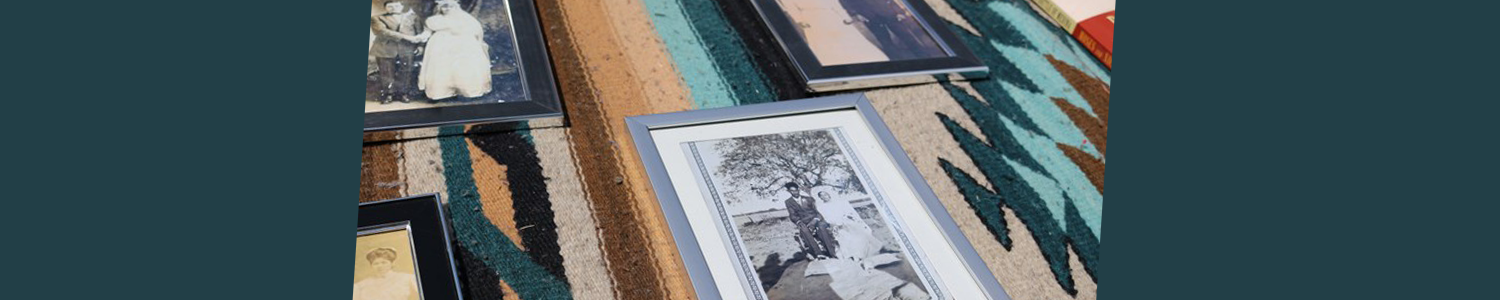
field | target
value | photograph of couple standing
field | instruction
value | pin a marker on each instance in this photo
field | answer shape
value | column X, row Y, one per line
column 427, row 53
column 841, row 32
column 808, row 226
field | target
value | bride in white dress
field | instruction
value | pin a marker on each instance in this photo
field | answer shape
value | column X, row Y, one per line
column 829, row 31
column 857, row 253
column 456, row 61
column 855, row 239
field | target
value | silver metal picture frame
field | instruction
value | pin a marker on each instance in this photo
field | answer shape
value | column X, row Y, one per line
column 688, row 243
column 793, row 24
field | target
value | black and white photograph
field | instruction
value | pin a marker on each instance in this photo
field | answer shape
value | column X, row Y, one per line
column 447, row 62
column 428, row 53
column 805, row 199
column 841, row 32
column 806, row 221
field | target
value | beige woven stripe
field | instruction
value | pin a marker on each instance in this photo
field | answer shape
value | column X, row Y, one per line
column 1023, row 271
column 577, row 237
column 909, row 112
column 661, row 86
column 422, row 165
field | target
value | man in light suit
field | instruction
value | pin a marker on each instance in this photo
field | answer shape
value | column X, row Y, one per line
column 395, row 51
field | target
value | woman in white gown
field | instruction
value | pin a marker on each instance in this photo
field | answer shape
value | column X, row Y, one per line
column 826, row 27
column 852, row 270
column 855, row 239
column 456, row 61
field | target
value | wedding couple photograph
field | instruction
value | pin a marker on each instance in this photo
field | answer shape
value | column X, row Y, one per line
column 807, row 225
column 430, row 53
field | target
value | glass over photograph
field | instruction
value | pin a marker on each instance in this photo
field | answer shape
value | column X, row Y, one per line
column 383, row 266
column 841, row 32
column 432, row 53
column 804, row 220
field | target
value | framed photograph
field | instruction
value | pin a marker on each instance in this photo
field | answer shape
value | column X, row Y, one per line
column 402, row 251
column 805, row 199
column 444, row 62
column 851, row 44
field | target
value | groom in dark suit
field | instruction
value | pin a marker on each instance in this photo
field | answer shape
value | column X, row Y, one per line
column 395, row 51
column 812, row 231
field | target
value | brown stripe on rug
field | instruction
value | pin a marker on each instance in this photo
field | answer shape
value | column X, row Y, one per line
column 380, row 168
column 1091, row 166
column 494, row 193
column 1092, row 128
column 584, row 77
column 1093, row 90
column 1095, row 127
column 661, row 90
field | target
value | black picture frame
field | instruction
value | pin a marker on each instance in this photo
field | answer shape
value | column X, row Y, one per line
column 961, row 61
column 536, row 73
column 432, row 250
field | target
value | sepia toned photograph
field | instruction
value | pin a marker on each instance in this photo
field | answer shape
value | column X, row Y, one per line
column 435, row 53
column 384, row 268
column 803, row 220
column 841, row 32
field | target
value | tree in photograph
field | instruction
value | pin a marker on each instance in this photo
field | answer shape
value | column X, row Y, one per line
column 763, row 164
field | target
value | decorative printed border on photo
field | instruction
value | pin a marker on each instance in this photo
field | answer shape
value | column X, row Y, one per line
column 707, row 212
column 908, row 252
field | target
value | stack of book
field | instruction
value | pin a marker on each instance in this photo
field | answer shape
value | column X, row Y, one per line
column 1092, row 22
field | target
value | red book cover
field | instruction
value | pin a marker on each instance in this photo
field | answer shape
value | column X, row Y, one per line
column 1092, row 22
column 1098, row 35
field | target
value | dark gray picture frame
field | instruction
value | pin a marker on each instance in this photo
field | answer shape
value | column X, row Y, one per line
column 961, row 62
column 536, row 73
column 640, row 128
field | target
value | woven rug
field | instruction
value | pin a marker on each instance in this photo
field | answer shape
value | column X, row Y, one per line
column 566, row 212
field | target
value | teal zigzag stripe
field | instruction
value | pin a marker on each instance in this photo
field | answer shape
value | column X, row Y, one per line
column 694, row 63
column 1015, row 39
column 1003, row 117
column 729, row 52
column 529, row 280
column 736, row 75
